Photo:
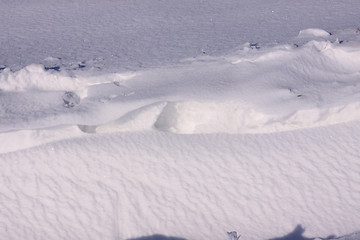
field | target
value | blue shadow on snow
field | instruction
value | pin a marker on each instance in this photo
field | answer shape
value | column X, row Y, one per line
column 157, row 237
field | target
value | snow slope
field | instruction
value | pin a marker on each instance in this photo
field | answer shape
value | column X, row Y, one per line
column 199, row 185
column 255, row 90
column 194, row 186
column 137, row 118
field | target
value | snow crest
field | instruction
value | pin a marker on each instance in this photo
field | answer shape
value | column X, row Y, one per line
column 254, row 90
column 197, row 117
column 35, row 77
column 134, row 178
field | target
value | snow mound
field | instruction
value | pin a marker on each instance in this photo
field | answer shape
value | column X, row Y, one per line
column 35, row 77
column 59, row 182
column 200, row 117
column 254, row 90
column 198, row 186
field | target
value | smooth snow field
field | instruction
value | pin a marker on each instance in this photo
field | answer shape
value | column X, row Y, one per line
column 180, row 120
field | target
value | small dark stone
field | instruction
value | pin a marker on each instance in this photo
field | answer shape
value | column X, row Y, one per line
column 56, row 68
column 81, row 65
column 70, row 99
column 254, row 46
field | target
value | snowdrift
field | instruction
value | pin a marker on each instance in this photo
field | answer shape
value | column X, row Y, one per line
column 257, row 141
column 255, row 90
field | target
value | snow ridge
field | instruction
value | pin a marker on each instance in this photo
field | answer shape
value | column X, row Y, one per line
column 136, row 178
column 195, row 186
column 252, row 91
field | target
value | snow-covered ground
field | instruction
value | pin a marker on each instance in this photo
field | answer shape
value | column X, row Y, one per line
column 122, row 119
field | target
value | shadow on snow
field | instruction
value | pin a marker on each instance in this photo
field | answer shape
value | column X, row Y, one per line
column 296, row 234
column 157, row 237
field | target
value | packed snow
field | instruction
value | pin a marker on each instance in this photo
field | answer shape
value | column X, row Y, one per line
column 179, row 119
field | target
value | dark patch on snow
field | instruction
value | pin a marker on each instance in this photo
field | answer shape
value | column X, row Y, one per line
column 56, row 68
column 87, row 128
column 117, row 83
column 70, row 99
column 254, row 46
column 296, row 234
column 233, row 236
column 81, row 65
column 77, row 65
column 294, row 92
column 157, row 237
column 2, row 67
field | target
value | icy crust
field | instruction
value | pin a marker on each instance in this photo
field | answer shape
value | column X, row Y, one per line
column 254, row 90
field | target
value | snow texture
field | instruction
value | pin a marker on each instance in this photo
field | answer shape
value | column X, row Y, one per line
column 192, row 119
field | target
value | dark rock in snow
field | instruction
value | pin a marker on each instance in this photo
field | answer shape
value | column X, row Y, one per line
column 71, row 99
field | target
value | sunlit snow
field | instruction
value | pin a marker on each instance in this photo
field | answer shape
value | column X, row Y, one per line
column 258, row 137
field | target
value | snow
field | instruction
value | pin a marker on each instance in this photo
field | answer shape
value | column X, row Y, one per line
column 193, row 186
column 133, row 34
column 138, row 118
column 313, row 32
column 313, row 85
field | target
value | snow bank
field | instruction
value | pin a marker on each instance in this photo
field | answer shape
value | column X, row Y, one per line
column 136, row 178
column 34, row 77
column 197, row 117
column 197, row 186
column 252, row 91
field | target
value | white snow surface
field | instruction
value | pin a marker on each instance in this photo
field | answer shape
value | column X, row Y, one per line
column 208, row 125
column 268, row 90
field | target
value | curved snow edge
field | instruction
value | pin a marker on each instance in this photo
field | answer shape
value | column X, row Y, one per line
column 193, row 117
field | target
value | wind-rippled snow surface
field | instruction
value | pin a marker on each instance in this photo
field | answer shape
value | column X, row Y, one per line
column 194, row 186
column 275, row 89
column 136, row 177
column 258, row 139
